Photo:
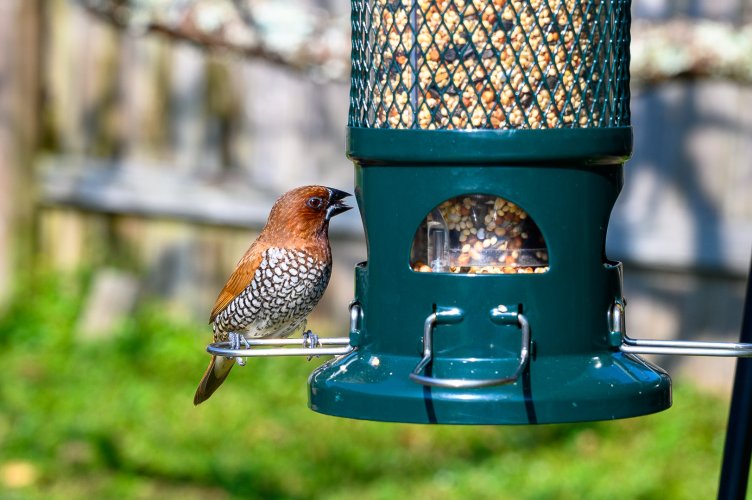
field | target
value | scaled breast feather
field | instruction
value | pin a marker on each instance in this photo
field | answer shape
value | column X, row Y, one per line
column 239, row 280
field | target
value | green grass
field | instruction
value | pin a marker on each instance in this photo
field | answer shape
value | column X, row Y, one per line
column 115, row 419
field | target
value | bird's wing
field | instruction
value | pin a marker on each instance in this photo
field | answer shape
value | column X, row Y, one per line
column 241, row 277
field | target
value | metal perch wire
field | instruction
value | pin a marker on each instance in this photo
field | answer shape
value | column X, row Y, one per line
column 306, row 346
column 336, row 346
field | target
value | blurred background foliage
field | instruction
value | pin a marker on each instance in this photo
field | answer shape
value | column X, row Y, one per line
column 142, row 143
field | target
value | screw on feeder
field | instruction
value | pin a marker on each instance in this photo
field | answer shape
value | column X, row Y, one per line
column 260, row 348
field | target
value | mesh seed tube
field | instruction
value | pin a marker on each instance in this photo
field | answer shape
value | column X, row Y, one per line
column 500, row 64
column 489, row 139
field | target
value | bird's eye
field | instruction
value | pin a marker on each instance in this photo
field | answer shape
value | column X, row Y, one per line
column 315, row 202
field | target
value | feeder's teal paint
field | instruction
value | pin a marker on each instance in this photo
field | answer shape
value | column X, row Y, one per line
column 567, row 181
column 446, row 147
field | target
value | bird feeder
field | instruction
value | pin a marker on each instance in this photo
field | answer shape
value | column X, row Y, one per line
column 489, row 139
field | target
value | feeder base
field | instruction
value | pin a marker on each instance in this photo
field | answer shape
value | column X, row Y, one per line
column 368, row 386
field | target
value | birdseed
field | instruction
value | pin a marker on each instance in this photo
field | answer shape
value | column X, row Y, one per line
column 488, row 64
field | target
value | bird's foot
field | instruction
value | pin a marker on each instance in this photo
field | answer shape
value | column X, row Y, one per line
column 236, row 339
column 310, row 340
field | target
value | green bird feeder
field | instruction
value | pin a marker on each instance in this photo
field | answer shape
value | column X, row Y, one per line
column 489, row 139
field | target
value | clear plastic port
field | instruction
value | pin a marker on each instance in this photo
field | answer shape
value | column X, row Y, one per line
column 479, row 234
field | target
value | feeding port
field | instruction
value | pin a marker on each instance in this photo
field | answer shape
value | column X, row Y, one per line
column 479, row 234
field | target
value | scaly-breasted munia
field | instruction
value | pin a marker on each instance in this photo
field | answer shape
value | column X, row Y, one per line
column 280, row 278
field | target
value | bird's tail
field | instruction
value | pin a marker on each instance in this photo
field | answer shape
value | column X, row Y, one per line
column 215, row 374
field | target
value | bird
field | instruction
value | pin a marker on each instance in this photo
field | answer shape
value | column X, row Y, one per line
column 279, row 279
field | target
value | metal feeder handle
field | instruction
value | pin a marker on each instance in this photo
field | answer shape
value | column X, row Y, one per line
column 499, row 315
column 673, row 347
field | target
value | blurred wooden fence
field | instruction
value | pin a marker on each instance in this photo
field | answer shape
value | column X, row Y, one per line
column 20, row 25
column 159, row 158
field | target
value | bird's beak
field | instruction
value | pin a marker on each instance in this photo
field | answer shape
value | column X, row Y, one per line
column 336, row 206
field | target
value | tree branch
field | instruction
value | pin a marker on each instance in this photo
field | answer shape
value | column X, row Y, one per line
column 684, row 49
column 230, row 26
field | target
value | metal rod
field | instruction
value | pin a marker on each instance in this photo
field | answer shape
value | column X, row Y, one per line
column 686, row 348
column 275, row 347
column 738, row 447
column 296, row 341
column 616, row 319
column 689, row 343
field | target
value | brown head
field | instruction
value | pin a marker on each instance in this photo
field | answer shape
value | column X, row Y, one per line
column 303, row 214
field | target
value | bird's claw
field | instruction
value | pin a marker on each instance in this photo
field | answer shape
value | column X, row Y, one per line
column 236, row 339
column 311, row 340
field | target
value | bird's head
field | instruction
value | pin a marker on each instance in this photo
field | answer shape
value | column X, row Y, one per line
column 305, row 211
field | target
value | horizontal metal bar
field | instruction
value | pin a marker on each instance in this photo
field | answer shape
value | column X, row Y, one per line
column 297, row 341
column 686, row 348
column 275, row 347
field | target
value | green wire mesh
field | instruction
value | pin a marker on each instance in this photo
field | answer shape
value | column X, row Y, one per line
column 490, row 64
